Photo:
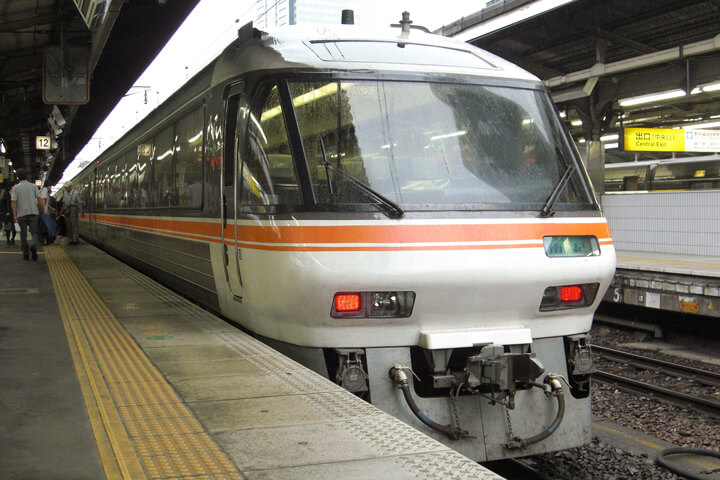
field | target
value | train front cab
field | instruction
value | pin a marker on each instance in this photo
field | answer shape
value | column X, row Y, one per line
column 302, row 144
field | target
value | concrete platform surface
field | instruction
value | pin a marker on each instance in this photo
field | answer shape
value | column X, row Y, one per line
column 107, row 374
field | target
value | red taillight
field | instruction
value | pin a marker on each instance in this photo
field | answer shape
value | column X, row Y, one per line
column 347, row 302
column 571, row 293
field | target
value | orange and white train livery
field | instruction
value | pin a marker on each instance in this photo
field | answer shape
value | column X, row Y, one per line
column 401, row 212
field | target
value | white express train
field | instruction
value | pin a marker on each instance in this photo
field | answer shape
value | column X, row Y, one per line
column 399, row 211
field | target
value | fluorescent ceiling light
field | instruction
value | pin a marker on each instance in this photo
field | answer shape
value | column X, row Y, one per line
column 699, row 126
column 608, row 146
column 576, row 123
column 653, row 97
column 708, row 87
column 605, row 138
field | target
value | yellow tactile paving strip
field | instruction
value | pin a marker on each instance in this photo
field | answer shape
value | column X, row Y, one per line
column 142, row 427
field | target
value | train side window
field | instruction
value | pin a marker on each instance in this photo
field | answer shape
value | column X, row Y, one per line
column 144, row 173
column 164, row 192
column 188, row 159
column 101, row 189
column 132, row 179
column 112, row 197
column 267, row 170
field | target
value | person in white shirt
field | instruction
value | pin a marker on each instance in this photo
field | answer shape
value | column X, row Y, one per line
column 26, row 205
column 71, row 208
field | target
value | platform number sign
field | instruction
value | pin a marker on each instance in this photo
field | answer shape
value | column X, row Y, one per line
column 42, row 143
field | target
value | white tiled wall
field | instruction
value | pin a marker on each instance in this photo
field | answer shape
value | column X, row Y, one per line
column 674, row 222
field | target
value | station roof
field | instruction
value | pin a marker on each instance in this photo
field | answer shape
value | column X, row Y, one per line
column 121, row 38
column 591, row 53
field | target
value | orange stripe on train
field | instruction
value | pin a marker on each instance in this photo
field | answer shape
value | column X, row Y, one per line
column 268, row 237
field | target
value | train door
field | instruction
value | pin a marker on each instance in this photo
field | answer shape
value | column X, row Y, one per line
column 235, row 99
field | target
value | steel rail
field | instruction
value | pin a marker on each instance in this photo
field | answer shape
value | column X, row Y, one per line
column 705, row 377
column 660, row 393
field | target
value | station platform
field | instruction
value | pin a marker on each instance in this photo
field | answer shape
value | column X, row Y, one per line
column 107, row 374
column 672, row 282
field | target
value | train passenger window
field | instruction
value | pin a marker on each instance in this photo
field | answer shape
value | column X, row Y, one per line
column 121, row 179
column 114, row 174
column 164, row 192
column 132, row 179
column 267, row 170
column 144, row 173
column 188, row 159
column 101, row 182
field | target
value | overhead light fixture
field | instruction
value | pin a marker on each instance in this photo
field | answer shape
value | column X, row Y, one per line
column 576, row 123
column 608, row 146
column 707, row 87
column 698, row 126
column 652, row 97
column 607, row 138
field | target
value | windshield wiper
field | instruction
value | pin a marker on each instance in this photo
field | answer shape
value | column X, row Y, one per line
column 547, row 209
column 390, row 208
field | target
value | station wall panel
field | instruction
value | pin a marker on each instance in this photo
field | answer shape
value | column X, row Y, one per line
column 684, row 223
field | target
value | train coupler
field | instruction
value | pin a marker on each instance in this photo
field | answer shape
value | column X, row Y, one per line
column 504, row 373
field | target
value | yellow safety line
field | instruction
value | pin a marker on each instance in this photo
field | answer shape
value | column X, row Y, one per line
column 154, row 425
column 18, row 253
column 121, row 452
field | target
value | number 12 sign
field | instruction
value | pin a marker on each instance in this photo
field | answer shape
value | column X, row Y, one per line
column 42, row 143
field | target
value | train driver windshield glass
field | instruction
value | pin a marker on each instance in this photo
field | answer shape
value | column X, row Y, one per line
column 434, row 145
column 267, row 169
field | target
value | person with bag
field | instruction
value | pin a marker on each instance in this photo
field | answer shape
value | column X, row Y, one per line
column 6, row 215
column 26, row 205
column 46, row 224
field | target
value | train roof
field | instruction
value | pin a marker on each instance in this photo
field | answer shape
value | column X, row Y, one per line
column 360, row 48
column 329, row 48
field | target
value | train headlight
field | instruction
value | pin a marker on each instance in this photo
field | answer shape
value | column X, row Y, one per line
column 568, row 296
column 373, row 305
column 571, row 246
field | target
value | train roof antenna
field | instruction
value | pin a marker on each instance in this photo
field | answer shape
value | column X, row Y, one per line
column 405, row 22
column 406, row 25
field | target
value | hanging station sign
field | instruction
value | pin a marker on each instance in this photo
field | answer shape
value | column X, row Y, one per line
column 669, row 140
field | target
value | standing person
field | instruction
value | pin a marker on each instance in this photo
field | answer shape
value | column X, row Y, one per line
column 6, row 215
column 26, row 205
column 71, row 208
column 46, row 193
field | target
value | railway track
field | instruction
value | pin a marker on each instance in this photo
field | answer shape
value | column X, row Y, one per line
column 662, row 393
column 516, row 468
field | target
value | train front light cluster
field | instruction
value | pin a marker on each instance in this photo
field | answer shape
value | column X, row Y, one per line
column 568, row 296
column 373, row 304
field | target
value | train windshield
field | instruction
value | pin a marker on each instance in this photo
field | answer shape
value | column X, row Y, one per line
column 434, row 146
